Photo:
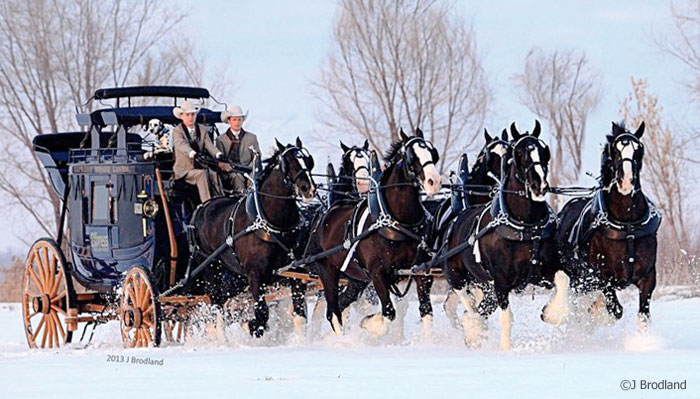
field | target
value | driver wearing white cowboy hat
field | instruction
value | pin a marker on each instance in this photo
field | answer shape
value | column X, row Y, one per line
column 236, row 145
column 189, row 139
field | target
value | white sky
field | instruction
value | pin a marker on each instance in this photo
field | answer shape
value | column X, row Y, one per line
column 273, row 50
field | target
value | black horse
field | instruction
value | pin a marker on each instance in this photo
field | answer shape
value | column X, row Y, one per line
column 264, row 227
column 608, row 241
column 470, row 191
column 487, row 167
column 507, row 243
column 353, row 179
column 392, row 223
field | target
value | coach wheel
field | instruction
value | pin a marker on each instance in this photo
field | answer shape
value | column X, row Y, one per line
column 47, row 292
column 139, row 315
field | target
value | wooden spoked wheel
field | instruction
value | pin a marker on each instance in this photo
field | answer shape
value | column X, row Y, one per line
column 47, row 291
column 139, row 314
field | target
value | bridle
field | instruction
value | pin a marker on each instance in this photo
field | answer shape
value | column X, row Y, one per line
column 360, row 153
column 635, row 160
column 307, row 163
column 408, row 153
column 522, row 175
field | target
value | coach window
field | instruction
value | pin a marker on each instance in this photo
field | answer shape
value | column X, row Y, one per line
column 103, row 206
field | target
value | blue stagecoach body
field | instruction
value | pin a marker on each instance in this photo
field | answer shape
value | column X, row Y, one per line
column 111, row 189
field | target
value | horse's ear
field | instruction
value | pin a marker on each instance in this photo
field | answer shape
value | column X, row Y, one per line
column 298, row 142
column 538, row 128
column 344, row 147
column 617, row 129
column 365, row 146
column 402, row 135
column 640, row 131
column 514, row 131
column 504, row 135
column 419, row 132
column 279, row 145
column 487, row 136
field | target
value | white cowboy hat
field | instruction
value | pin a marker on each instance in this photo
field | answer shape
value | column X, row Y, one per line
column 235, row 110
column 186, row 108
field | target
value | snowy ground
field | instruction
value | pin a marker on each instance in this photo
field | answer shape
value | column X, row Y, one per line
column 576, row 360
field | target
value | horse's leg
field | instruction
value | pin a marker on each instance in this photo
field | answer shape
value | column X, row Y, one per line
column 378, row 323
column 299, row 304
column 330, row 277
column 450, row 308
column 557, row 309
column 423, row 286
column 258, row 325
column 612, row 304
column 472, row 321
column 488, row 302
column 350, row 294
column 505, row 320
column 646, row 287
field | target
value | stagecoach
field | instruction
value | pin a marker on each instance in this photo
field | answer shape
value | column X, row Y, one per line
column 125, row 217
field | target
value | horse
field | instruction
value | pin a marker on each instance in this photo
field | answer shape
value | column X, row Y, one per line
column 486, row 172
column 386, row 231
column 608, row 240
column 353, row 177
column 506, row 244
column 264, row 227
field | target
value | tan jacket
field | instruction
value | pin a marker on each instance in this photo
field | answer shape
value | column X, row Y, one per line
column 182, row 148
column 223, row 143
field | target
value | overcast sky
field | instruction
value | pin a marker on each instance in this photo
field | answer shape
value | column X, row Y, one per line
column 273, row 49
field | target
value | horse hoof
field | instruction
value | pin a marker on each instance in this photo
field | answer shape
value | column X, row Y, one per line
column 554, row 314
column 426, row 326
column 376, row 324
column 473, row 326
column 299, row 324
column 258, row 332
column 337, row 326
column 643, row 322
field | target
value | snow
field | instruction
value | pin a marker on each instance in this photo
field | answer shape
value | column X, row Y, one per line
column 577, row 359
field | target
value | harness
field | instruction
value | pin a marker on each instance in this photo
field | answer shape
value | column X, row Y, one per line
column 260, row 224
column 595, row 216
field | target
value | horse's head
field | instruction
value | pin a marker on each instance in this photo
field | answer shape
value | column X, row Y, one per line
column 622, row 159
column 296, row 164
column 420, row 158
column 494, row 151
column 530, row 157
column 356, row 159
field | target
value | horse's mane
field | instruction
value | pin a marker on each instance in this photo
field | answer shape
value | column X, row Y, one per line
column 393, row 151
column 271, row 161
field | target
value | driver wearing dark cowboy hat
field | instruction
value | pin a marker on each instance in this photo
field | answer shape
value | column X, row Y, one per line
column 190, row 139
column 235, row 144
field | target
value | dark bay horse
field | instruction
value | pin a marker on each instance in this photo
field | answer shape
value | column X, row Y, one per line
column 486, row 172
column 397, row 223
column 608, row 241
column 509, row 242
column 487, row 167
column 266, row 224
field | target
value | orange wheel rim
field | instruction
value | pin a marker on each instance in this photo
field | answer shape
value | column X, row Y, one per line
column 45, row 297
column 138, row 311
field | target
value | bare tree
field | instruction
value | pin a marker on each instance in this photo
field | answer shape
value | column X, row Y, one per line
column 684, row 42
column 407, row 64
column 665, row 170
column 562, row 88
column 53, row 55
